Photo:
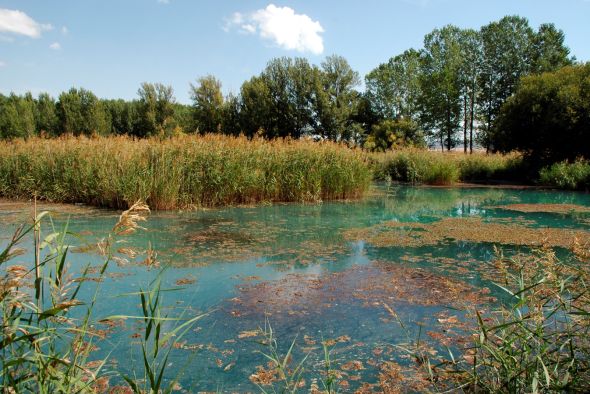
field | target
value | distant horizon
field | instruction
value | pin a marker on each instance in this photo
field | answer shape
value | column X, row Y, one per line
column 111, row 48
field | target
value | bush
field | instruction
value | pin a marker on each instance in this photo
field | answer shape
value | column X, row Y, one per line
column 420, row 166
column 566, row 175
column 548, row 117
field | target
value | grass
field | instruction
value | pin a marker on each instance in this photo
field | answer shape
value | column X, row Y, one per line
column 567, row 175
column 536, row 341
column 181, row 172
column 48, row 330
column 418, row 166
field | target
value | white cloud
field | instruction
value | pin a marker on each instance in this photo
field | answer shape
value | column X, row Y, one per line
column 2, row 64
column 56, row 46
column 281, row 25
column 17, row 22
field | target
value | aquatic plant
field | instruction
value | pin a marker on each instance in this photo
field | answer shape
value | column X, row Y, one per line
column 536, row 341
column 48, row 331
column 180, row 172
column 419, row 166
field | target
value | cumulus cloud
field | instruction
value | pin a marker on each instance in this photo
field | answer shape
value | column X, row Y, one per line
column 17, row 22
column 282, row 26
column 56, row 46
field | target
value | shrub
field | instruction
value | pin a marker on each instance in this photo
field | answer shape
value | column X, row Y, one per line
column 566, row 175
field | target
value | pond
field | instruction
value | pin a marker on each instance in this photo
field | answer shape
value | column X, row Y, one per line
column 367, row 277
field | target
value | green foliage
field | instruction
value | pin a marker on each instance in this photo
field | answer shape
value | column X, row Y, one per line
column 180, row 172
column 441, row 84
column 81, row 113
column 546, row 107
column 418, row 166
column 394, row 87
column 393, row 134
column 207, row 105
column 156, row 109
column 17, row 116
column 539, row 341
column 566, row 175
column 336, row 100
column 46, row 115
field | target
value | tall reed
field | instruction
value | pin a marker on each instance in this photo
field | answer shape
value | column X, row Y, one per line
column 180, row 172
column 418, row 166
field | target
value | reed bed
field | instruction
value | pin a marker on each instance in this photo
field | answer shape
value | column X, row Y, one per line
column 181, row 172
column 419, row 166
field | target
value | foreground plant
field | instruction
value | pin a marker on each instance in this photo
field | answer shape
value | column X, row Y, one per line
column 284, row 374
column 537, row 341
column 47, row 335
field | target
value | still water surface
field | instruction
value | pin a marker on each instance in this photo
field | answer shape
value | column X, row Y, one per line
column 295, row 267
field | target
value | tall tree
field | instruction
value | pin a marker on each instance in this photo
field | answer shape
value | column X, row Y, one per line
column 549, row 51
column 394, row 87
column 156, row 109
column 231, row 124
column 17, row 116
column 441, row 84
column 46, row 114
column 507, row 51
column 256, row 107
column 80, row 112
column 207, row 104
column 336, row 98
column 471, row 55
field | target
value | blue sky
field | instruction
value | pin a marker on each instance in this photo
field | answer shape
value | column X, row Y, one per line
column 111, row 46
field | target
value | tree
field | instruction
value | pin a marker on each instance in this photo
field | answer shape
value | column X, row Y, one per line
column 394, row 87
column 549, row 52
column 441, row 85
column 46, row 114
column 469, row 69
column 507, row 51
column 80, row 112
column 390, row 133
column 256, row 107
column 548, row 117
column 336, row 98
column 156, row 109
column 230, row 120
column 17, row 116
column 207, row 104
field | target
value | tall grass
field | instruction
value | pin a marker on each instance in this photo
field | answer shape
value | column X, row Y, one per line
column 418, row 166
column 567, row 175
column 536, row 341
column 48, row 328
column 180, row 172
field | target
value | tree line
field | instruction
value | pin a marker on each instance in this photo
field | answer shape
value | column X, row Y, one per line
column 448, row 92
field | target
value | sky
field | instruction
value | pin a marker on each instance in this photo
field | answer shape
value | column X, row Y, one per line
column 111, row 46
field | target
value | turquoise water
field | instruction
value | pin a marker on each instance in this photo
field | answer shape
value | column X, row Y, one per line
column 294, row 267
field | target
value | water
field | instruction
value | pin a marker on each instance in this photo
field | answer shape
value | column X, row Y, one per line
column 297, row 268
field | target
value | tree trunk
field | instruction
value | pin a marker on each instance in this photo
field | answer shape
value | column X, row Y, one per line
column 448, row 128
column 471, row 116
column 465, row 124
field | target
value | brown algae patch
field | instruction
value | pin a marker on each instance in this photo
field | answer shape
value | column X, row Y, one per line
column 302, row 295
column 544, row 208
column 472, row 229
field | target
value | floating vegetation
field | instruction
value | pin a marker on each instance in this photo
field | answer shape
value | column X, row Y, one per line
column 471, row 229
column 544, row 208
column 299, row 295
